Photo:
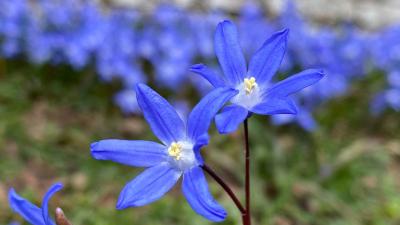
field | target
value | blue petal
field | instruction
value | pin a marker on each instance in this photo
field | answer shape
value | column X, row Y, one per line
column 196, row 191
column 148, row 186
column 131, row 153
column 27, row 210
column 229, row 53
column 163, row 119
column 208, row 74
column 200, row 118
column 230, row 118
column 45, row 204
column 266, row 61
column 271, row 106
column 295, row 83
column 201, row 141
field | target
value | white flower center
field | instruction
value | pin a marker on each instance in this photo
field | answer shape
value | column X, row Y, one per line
column 182, row 155
column 249, row 93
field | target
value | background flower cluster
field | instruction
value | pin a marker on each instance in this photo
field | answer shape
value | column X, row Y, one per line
column 159, row 46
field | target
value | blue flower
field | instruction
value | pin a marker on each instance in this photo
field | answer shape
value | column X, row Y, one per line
column 256, row 94
column 389, row 97
column 30, row 212
column 177, row 156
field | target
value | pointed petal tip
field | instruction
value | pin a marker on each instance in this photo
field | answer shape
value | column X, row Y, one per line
column 221, row 217
column 293, row 110
column 11, row 196
column 57, row 186
column 285, row 33
column 224, row 131
column 321, row 72
column 292, row 107
column 226, row 22
column 140, row 87
column 11, row 191
column 93, row 146
column 195, row 189
column 121, row 205
column 195, row 67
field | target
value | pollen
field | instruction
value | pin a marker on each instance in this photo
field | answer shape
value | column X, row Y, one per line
column 249, row 85
column 175, row 150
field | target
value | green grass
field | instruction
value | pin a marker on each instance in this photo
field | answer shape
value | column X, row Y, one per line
column 344, row 173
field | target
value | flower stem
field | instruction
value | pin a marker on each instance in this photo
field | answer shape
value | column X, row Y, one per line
column 247, row 173
column 246, row 216
column 227, row 189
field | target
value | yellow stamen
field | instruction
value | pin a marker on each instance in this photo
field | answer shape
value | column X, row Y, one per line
column 249, row 84
column 175, row 150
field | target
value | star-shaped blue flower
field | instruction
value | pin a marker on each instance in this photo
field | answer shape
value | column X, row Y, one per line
column 256, row 93
column 177, row 156
column 30, row 212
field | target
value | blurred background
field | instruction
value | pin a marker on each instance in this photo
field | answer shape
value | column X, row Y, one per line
column 67, row 72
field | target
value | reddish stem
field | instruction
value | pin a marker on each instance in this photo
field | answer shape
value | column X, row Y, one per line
column 226, row 187
column 247, row 218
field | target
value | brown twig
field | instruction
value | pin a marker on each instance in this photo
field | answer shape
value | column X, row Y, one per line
column 61, row 219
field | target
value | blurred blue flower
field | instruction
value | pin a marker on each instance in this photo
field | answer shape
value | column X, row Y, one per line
column 386, row 49
column 178, row 155
column 127, row 102
column 146, row 42
column 393, row 79
column 389, row 97
column 352, row 51
column 117, row 58
column 14, row 223
column 256, row 93
column 30, row 212
column 202, row 28
column 175, row 46
column 253, row 27
column 170, row 38
column 13, row 15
